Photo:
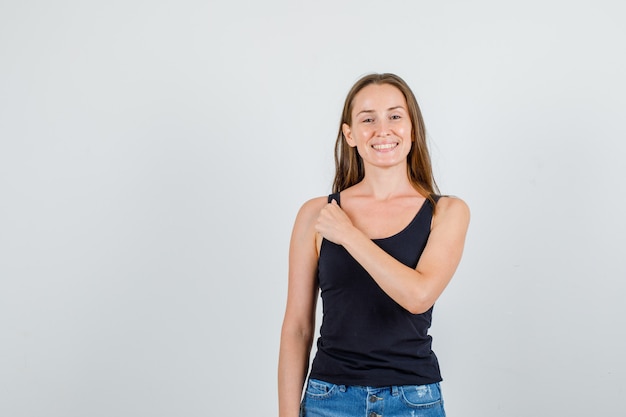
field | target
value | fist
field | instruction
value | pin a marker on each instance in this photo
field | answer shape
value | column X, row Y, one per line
column 333, row 223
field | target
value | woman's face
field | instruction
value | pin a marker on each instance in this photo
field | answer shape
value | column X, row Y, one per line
column 381, row 126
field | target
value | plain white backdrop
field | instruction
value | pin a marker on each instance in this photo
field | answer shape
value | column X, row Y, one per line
column 153, row 155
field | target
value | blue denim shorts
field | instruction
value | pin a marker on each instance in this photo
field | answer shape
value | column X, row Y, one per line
column 323, row 399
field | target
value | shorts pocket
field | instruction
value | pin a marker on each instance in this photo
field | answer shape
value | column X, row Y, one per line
column 320, row 389
column 421, row 396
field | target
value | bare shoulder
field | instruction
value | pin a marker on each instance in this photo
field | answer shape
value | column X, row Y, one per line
column 307, row 215
column 452, row 209
column 304, row 237
column 452, row 203
column 313, row 206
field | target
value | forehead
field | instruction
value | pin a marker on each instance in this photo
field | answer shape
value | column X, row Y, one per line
column 377, row 97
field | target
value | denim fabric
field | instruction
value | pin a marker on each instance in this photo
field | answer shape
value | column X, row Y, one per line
column 323, row 399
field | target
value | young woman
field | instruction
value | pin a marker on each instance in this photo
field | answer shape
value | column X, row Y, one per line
column 381, row 248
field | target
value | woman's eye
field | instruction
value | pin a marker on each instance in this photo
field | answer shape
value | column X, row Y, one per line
column 368, row 120
column 395, row 117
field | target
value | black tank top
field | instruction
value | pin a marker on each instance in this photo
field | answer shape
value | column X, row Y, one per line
column 366, row 338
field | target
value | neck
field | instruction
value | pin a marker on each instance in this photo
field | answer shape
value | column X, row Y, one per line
column 383, row 184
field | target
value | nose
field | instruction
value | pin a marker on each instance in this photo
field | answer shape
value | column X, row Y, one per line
column 383, row 128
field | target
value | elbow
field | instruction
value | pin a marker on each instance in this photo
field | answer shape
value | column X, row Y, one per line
column 419, row 304
column 298, row 333
column 419, row 308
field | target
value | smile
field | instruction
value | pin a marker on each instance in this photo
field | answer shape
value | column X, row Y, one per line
column 384, row 146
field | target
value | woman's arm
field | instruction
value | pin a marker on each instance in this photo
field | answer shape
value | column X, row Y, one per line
column 414, row 289
column 299, row 323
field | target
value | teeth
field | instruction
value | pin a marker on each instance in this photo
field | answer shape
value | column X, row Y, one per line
column 385, row 146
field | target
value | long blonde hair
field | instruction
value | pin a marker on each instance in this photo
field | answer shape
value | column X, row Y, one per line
column 348, row 164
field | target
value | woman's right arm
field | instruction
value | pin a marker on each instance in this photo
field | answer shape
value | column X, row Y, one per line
column 299, row 322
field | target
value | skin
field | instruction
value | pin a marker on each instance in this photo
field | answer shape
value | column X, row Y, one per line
column 382, row 204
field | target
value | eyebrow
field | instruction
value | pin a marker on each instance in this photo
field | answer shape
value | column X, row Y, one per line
column 389, row 109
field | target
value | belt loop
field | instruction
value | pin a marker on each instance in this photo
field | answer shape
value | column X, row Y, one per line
column 394, row 390
column 342, row 388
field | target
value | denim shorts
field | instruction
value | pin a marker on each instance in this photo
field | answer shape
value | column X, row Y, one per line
column 323, row 399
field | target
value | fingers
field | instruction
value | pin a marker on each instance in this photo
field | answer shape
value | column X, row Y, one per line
column 332, row 211
column 332, row 222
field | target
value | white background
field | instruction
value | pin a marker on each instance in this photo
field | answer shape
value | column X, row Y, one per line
column 153, row 155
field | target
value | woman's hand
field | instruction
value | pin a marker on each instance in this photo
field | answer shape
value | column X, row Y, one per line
column 334, row 224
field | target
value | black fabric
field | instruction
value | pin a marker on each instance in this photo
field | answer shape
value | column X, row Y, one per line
column 366, row 338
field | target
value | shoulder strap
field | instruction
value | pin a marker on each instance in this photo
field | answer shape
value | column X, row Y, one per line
column 334, row 196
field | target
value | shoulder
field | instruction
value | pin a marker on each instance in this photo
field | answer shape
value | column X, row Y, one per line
column 310, row 210
column 451, row 208
column 304, row 236
column 314, row 205
column 451, row 202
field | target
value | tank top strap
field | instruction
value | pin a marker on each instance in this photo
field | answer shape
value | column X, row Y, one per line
column 334, row 196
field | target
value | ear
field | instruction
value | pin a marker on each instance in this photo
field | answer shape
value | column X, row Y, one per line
column 347, row 133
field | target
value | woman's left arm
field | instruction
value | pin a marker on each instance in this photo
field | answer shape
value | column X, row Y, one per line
column 414, row 289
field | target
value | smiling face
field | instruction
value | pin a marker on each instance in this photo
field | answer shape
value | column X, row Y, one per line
column 381, row 126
